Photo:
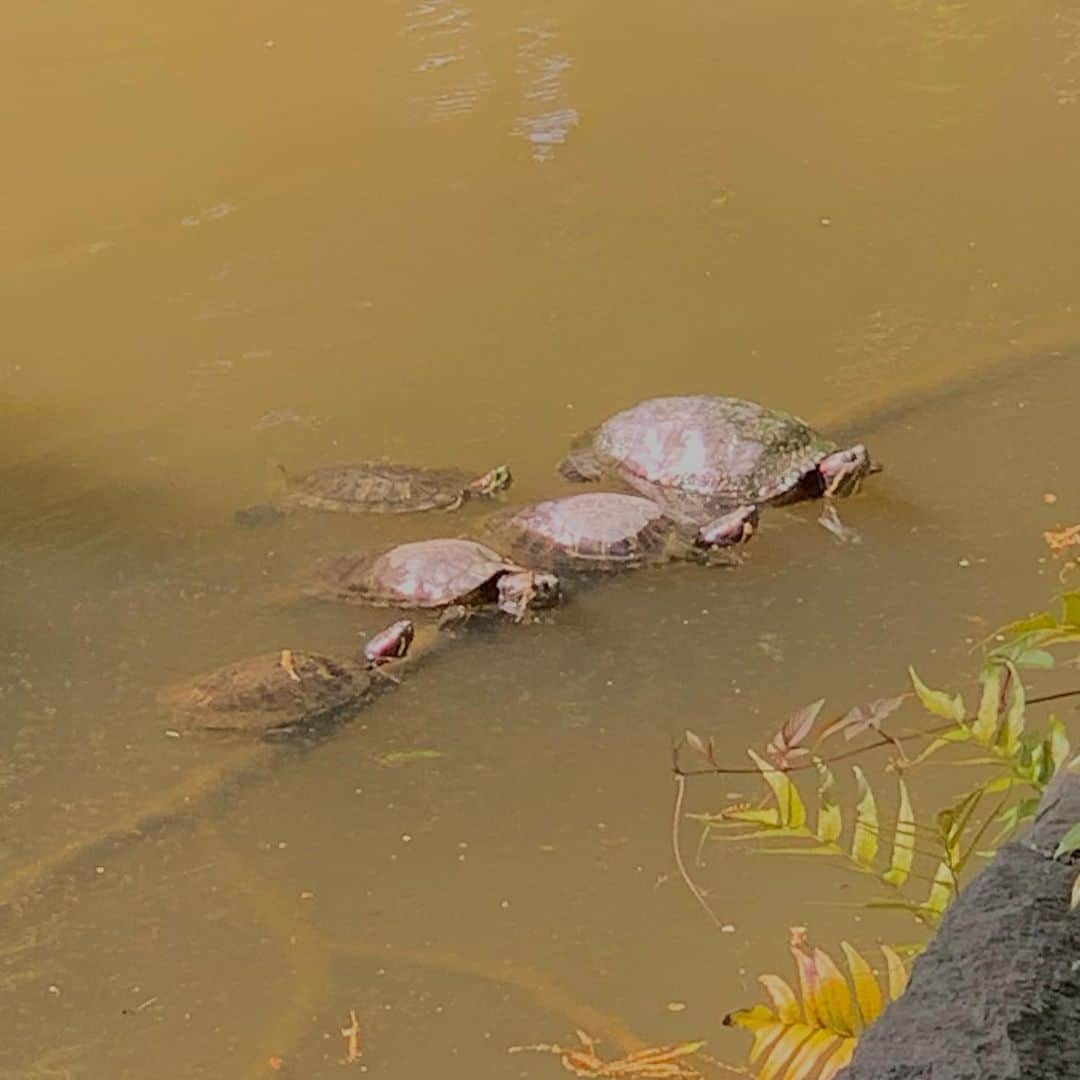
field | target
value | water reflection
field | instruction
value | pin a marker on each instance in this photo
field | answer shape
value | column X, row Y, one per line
column 451, row 68
column 546, row 118
column 452, row 76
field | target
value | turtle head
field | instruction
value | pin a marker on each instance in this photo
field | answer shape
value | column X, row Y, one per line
column 390, row 644
column 491, row 482
column 521, row 590
column 734, row 527
column 842, row 471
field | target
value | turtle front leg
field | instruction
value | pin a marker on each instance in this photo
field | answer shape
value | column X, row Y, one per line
column 829, row 519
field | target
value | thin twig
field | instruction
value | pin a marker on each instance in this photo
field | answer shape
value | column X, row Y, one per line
column 882, row 740
column 676, row 816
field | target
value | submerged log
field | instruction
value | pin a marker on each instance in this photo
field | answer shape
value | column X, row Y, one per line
column 996, row 995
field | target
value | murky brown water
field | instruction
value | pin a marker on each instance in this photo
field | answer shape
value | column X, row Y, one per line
column 450, row 233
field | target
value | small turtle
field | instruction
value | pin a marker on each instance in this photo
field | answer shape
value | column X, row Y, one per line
column 438, row 574
column 286, row 689
column 699, row 455
column 378, row 487
column 610, row 531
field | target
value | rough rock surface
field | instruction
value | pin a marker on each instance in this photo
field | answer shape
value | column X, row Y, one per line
column 996, row 996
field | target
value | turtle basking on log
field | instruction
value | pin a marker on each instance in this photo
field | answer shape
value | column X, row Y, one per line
column 700, row 455
column 285, row 690
column 606, row 530
column 442, row 573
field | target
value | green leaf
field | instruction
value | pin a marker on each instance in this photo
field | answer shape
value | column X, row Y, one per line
column 1057, row 742
column 1043, row 621
column 1011, row 818
column 957, row 735
column 986, row 721
column 867, row 992
column 829, row 822
column 937, row 701
column 942, row 891
column 952, row 821
column 1069, row 843
column 1013, row 728
column 864, row 842
column 903, row 852
column 752, row 816
column 1075, row 898
column 1035, row 658
column 788, row 801
column 897, row 972
column 1070, row 608
column 407, row 757
column 819, row 849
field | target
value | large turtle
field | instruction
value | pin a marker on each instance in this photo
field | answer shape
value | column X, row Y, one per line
column 379, row 487
column 698, row 455
column 438, row 574
column 286, row 689
column 607, row 530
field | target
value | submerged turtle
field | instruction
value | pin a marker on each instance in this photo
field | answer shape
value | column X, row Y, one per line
column 438, row 574
column 286, row 689
column 610, row 531
column 379, row 487
column 698, row 455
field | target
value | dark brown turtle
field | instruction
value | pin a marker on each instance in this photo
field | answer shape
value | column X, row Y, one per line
column 699, row 455
column 438, row 574
column 379, row 487
column 612, row 531
column 285, row 689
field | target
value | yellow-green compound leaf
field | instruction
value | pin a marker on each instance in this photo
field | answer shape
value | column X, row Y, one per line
column 1032, row 624
column 774, row 1040
column 767, row 816
column 864, row 841
column 806, row 1063
column 841, row 1058
column 1069, row 843
column 1058, row 741
column 897, row 972
column 782, row 1051
column 1070, row 608
column 1013, row 728
column 815, row 1040
column 830, row 823
column 867, row 991
column 942, row 891
column 903, row 851
column 826, row 996
column 785, row 1000
column 788, row 800
column 957, row 735
column 986, row 721
column 834, row 1003
column 937, row 701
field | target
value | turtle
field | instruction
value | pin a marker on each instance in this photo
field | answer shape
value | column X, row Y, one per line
column 440, row 573
column 699, row 455
column 606, row 530
column 283, row 690
column 378, row 487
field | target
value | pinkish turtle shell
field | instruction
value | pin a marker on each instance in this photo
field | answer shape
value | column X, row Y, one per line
column 730, row 450
column 425, row 574
column 602, row 529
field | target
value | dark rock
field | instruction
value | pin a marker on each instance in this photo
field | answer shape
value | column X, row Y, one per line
column 996, row 995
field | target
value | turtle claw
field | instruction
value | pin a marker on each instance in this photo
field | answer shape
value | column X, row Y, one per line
column 454, row 615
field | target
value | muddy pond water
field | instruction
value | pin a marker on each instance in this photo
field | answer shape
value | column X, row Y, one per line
column 460, row 232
